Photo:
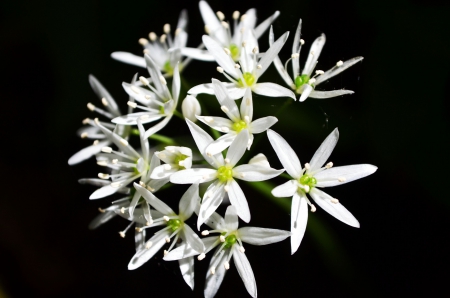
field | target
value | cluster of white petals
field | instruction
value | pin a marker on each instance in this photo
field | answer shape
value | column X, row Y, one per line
column 139, row 177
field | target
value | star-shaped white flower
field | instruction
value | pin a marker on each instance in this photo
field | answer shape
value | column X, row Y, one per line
column 157, row 102
column 245, row 74
column 239, row 119
column 176, row 159
column 165, row 50
column 307, row 181
column 304, row 83
column 219, row 29
column 223, row 174
column 230, row 241
column 175, row 227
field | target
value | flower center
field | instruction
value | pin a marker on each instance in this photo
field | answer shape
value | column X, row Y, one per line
column 167, row 67
column 301, row 80
column 161, row 110
column 308, row 180
column 174, row 224
column 178, row 158
column 234, row 50
column 230, row 240
column 239, row 125
column 224, row 173
column 248, row 78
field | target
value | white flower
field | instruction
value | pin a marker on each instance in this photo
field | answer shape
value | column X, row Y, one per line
column 175, row 158
column 307, row 180
column 157, row 102
column 246, row 74
column 239, row 119
column 175, row 227
column 230, row 241
column 223, row 174
column 304, row 83
column 165, row 50
column 191, row 108
column 220, row 30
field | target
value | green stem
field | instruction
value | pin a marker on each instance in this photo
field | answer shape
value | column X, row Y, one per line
column 163, row 139
column 178, row 114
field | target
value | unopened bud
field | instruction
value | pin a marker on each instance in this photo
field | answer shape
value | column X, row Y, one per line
column 190, row 108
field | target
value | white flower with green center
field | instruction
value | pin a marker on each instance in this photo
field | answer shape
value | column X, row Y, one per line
column 175, row 227
column 156, row 103
column 305, row 82
column 239, row 119
column 230, row 241
column 307, row 181
column 175, row 158
column 222, row 174
column 245, row 74
column 219, row 29
column 165, row 50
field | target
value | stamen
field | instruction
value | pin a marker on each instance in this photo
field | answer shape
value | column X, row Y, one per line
column 163, row 80
column 259, row 66
column 143, row 41
column 225, row 25
column 102, row 163
column 227, row 51
column 181, row 163
column 166, row 218
column 205, row 233
column 148, row 245
column 167, row 239
column 219, row 69
column 339, row 63
column 144, row 117
column 135, row 89
column 209, row 119
column 244, row 43
column 161, row 155
column 152, row 36
column 220, row 15
column 147, row 97
column 201, row 256
column 342, row 179
column 225, row 129
column 145, row 51
column 224, row 109
column 103, row 176
column 86, row 121
column 122, row 234
column 255, row 50
column 242, row 175
column 166, row 28
column 319, row 72
column 162, row 38
column 91, row 107
column 107, row 149
column 226, row 265
column 116, row 184
column 329, row 165
column 150, row 189
column 104, row 101
column 123, row 142
column 226, row 188
column 311, row 81
column 334, row 200
column 139, row 229
column 227, row 160
column 207, row 29
column 177, row 31
column 237, row 66
column 307, row 166
column 115, row 161
column 122, row 210
column 213, row 270
column 165, row 252
column 222, row 238
column 302, row 42
column 241, row 249
column 95, row 142
column 143, row 80
column 101, row 210
column 84, row 135
column 236, row 15
column 247, row 119
column 313, row 208
column 307, row 188
column 132, row 104
column 243, row 17
column 295, row 55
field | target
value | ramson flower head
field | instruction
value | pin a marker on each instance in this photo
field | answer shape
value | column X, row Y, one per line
column 309, row 179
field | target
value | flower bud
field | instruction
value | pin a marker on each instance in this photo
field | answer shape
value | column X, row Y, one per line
column 191, row 107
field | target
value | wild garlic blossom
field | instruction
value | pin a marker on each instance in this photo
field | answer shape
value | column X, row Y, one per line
column 219, row 29
column 245, row 74
column 230, row 244
column 165, row 50
column 239, row 119
column 175, row 159
column 175, row 227
column 222, row 175
column 309, row 179
column 304, row 83
column 157, row 102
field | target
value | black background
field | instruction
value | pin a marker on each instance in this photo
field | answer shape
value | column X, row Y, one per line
column 398, row 120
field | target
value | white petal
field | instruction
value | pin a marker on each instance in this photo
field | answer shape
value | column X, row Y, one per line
column 196, row 175
column 182, row 20
column 87, row 152
column 287, row 156
column 231, row 219
column 157, row 184
column 247, row 105
column 176, row 84
column 271, row 53
column 153, row 201
column 187, row 271
column 212, row 22
column 129, row 58
column 103, row 218
column 202, row 88
column 213, row 281
column 323, row 153
column 184, row 250
column 118, row 141
column 131, row 119
column 245, row 270
column 255, row 172
column 142, row 95
column 192, row 239
column 154, row 129
column 145, row 254
column 103, row 192
column 296, row 47
column 221, row 93
column 215, row 221
column 306, row 91
column 299, row 219
column 273, row 90
column 217, row 122
column 329, row 94
column 261, row 236
column 341, row 175
column 139, row 237
column 262, row 124
column 221, row 143
column 160, row 172
column 225, row 61
column 210, row 204
column 336, row 70
column 265, row 24
column 202, row 139
column 238, row 147
column 259, row 160
column 336, row 209
column 235, row 92
column 237, row 199
column 103, row 93
column 278, row 64
column 285, row 190
column 188, row 202
column 314, row 54
column 197, row 54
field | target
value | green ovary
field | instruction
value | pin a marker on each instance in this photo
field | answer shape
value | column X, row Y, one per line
column 167, row 67
column 161, row 110
column 301, row 80
column 224, row 173
column 239, row 125
column 230, row 240
column 234, row 52
column 248, row 78
column 178, row 158
column 308, row 180
column 174, row 224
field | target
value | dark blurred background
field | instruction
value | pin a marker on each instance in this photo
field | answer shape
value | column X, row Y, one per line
column 397, row 120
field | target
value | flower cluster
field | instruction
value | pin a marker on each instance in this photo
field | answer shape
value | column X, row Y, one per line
column 144, row 175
